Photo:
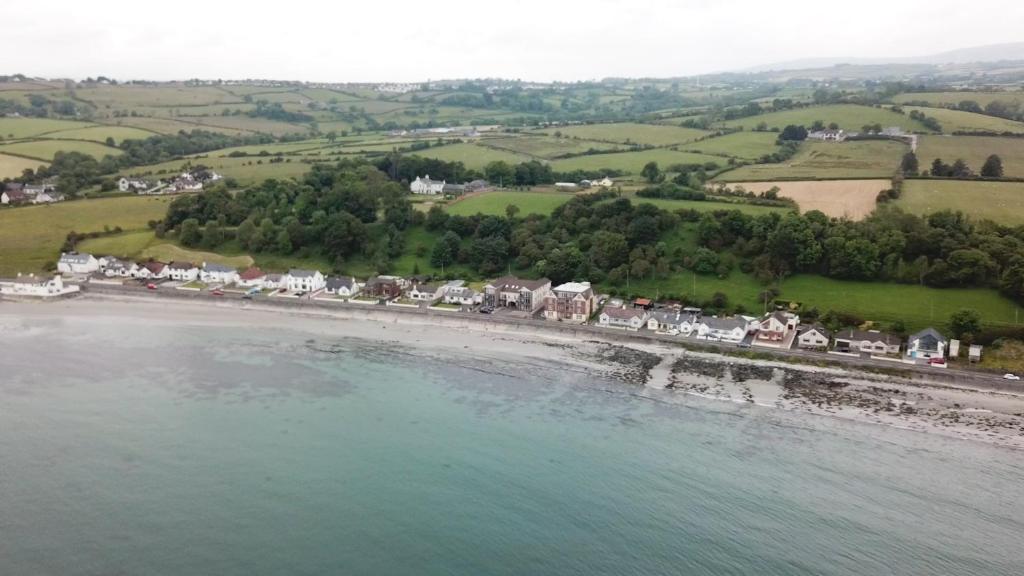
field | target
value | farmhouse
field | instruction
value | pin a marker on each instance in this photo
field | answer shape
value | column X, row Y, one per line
column 298, row 280
column 574, row 301
column 344, row 286
column 75, row 263
column 815, row 337
column 867, row 342
column 426, row 186
column 182, row 271
column 827, row 135
column 137, row 185
column 512, row 292
column 218, row 274
column 625, row 318
column 14, row 196
column 926, row 344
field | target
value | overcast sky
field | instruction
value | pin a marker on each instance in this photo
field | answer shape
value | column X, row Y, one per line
column 412, row 40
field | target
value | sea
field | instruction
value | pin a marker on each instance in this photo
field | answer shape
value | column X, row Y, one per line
column 190, row 449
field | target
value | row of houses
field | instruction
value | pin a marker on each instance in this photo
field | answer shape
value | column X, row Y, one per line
column 430, row 187
column 188, row 181
column 17, row 193
column 928, row 344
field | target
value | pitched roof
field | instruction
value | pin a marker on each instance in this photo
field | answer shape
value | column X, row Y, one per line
column 155, row 267
column 335, row 282
column 507, row 283
column 181, row 265
column 577, row 287
column 928, row 332
column 867, row 335
column 300, row 273
column 817, row 328
column 75, row 258
column 213, row 267
column 623, row 313
column 16, row 195
column 724, row 323
column 252, row 274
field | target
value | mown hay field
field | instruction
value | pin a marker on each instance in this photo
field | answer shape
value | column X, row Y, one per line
column 853, row 199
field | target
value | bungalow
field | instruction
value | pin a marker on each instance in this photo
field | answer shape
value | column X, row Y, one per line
column 384, row 287
column 33, row 285
column 299, row 280
column 574, row 301
column 275, row 281
column 776, row 326
column 626, row 318
column 182, row 271
column 926, row 344
column 668, row 320
column 814, row 337
column 218, row 274
column 344, row 286
column 423, row 292
column 867, row 342
column 252, row 278
column 463, row 296
column 75, row 263
column 512, row 292
column 426, row 186
column 153, row 270
column 723, row 329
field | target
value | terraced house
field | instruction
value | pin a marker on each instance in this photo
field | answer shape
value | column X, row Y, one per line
column 573, row 301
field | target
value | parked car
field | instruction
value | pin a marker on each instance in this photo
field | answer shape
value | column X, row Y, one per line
column 486, row 309
column 217, row 292
column 1010, row 376
column 151, row 286
column 936, row 360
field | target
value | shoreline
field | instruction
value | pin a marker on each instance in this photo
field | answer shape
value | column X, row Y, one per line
column 658, row 368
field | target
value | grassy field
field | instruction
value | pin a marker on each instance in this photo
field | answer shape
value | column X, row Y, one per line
column 852, row 199
column 631, row 133
column 1001, row 202
column 850, row 117
column 862, row 159
column 32, row 236
column 13, row 166
column 101, row 133
column 707, row 206
column 245, row 170
column 167, row 252
column 545, row 147
column 495, row 203
column 471, row 155
column 46, row 149
column 127, row 245
column 946, row 98
column 12, row 128
column 747, row 145
column 633, row 162
column 128, row 96
column 957, row 121
column 973, row 150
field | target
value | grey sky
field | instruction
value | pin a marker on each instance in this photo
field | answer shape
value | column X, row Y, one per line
column 409, row 40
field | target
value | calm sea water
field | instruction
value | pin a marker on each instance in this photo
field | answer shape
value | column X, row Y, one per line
column 126, row 449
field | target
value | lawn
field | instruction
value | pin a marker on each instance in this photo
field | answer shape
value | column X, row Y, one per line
column 167, row 252
column 46, row 149
column 32, row 236
column 12, row 128
column 633, row 162
column 851, row 159
column 747, row 145
column 472, row 155
column 495, row 203
column 850, row 117
column 13, row 166
column 957, row 121
column 973, row 150
column 631, row 133
column 1001, row 202
column 127, row 245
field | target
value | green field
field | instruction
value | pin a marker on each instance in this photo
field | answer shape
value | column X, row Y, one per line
column 495, row 203
column 545, row 147
column 746, row 145
column 471, row 155
column 707, row 206
column 850, row 117
column 101, row 133
column 15, row 128
column 630, row 133
column 32, row 236
column 957, row 121
column 1001, row 202
column 633, row 162
column 166, row 252
column 851, row 159
column 46, row 149
column 164, row 95
column 245, row 170
column 13, row 166
column 973, row 150
column 127, row 245
column 949, row 98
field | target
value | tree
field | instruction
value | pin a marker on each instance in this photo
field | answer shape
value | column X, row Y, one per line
column 446, row 250
column 500, row 172
column 993, row 167
column 965, row 322
column 189, row 234
column 651, row 172
column 511, row 210
column 909, row 164
column 793, row 133
column 608, row 250
column 960, row 169
column 344, row 235
column 213, row 235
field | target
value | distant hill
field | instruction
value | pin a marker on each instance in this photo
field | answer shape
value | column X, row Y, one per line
column 989, row 53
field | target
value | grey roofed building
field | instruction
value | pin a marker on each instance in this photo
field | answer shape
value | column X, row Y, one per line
column 212, row 267
column 181, row 265
column 300, row 273
column 336, row 282
column 624, row 313
column 868, row 336
column 477, row 185
column 724, row 323
column 14, row 187
column 75, row 258
column 453, row 189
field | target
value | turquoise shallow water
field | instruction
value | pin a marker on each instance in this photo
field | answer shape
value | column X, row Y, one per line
column 198, row 450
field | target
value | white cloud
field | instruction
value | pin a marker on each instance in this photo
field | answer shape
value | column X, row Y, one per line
column 407, row 40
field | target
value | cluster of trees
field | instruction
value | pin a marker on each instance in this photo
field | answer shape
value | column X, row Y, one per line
column 532, row 173
column 992, row 168
column 1010, row 110
column 275, row 111
column 39, row 107
column 930, row 122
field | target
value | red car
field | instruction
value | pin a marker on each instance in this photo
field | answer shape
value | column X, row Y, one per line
column 217, row 292
column 151, row 286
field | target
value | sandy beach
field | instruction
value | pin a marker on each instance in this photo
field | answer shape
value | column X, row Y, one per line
column 662, row 372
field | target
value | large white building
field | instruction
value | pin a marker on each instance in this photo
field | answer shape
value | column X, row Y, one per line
column 218, row 274
column 75, row 263
column 426, row 186
column 304, row 280
column 41, row 286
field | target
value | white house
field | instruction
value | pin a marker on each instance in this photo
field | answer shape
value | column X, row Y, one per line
column 134, row 185
column 463, row 296
column 217, row 274
column 182, row 271
column 776, row 326
column 604, row 182
column 723, row 329
column 926, row 344
column 815, row 337
column 626, row 318
column 422, row 292
column 151, row 270
column 827, row 135
column 567, row 185
column 868, row 342
column 275, row 281
column 343, row 286
column 668, row 320
column 75, row 263
column 33, row 285
column 114, row 268
column 426, row 186
column 298, row 280
column 252, row 278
